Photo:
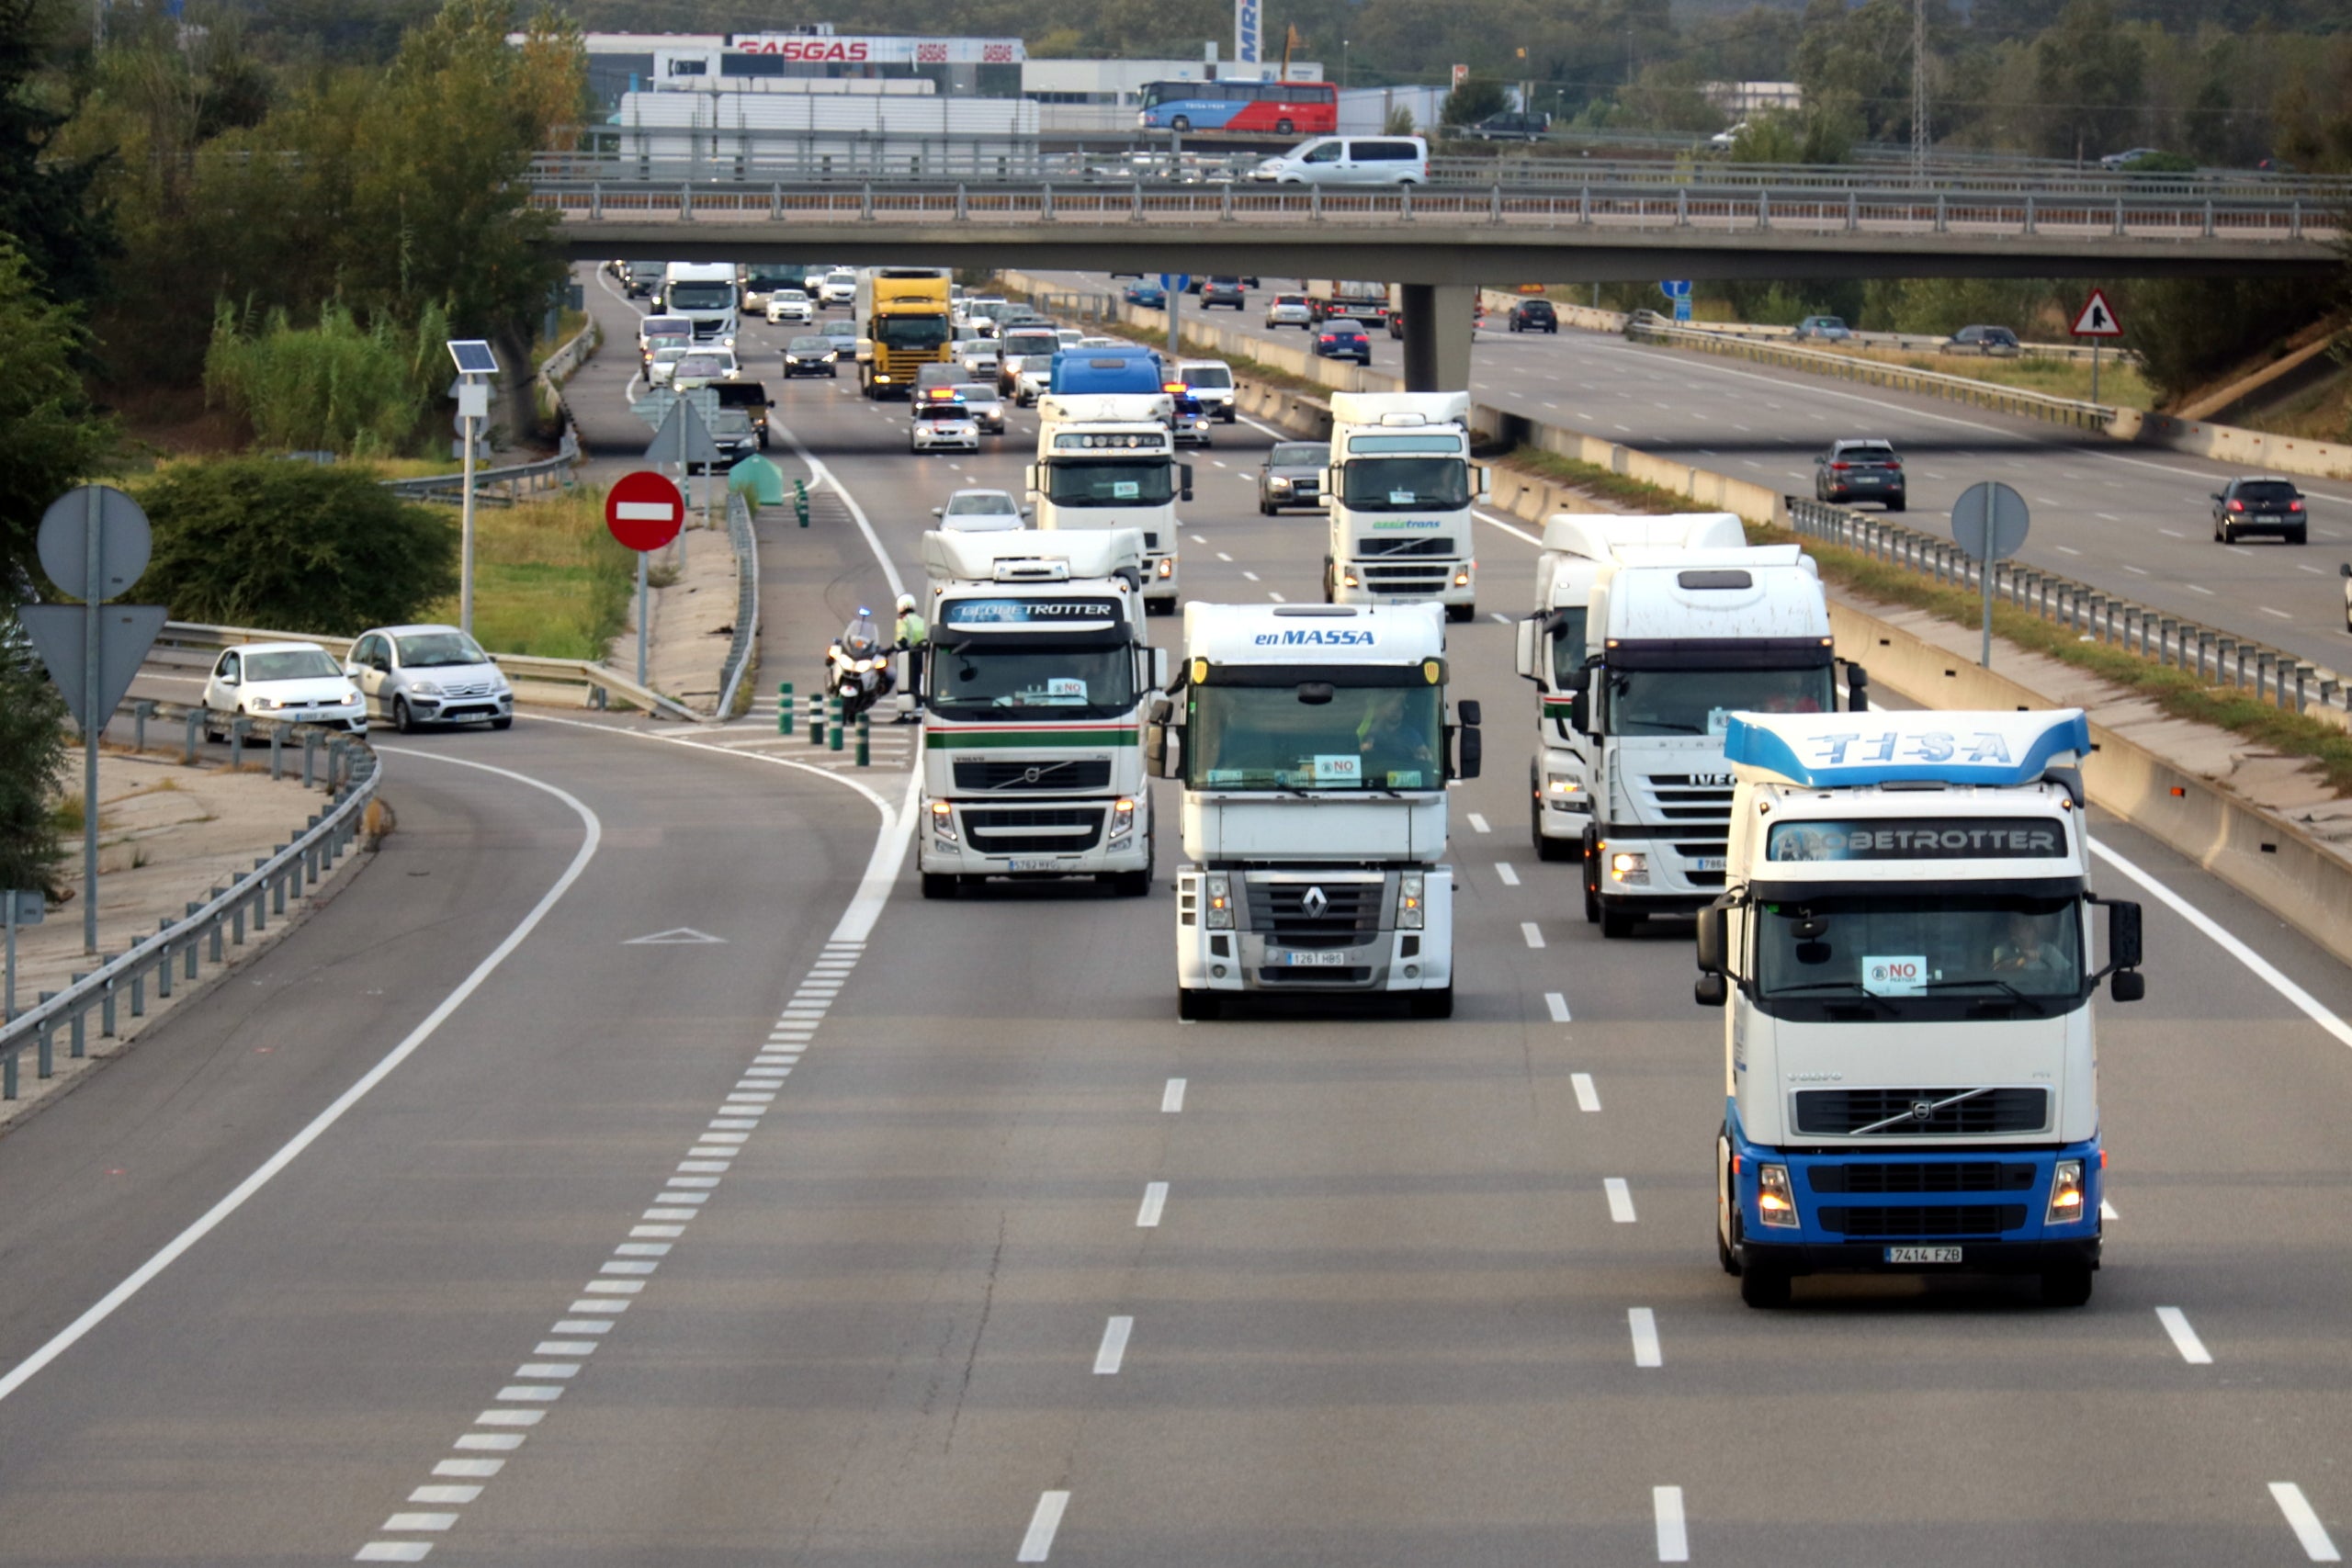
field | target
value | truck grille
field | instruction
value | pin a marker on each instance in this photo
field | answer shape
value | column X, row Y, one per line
column 1283, row 974
column 1682, row 798
column 1907, row 1223
column 1391, row 548
column 1071, row 774
column 1033, row 831
column 1923, row 1176
column 1832, row 1112
column 1407, row 579
column 1286, row 914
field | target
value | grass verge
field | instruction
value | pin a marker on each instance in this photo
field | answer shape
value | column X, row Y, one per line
column 549, row 579
column 2121, row 384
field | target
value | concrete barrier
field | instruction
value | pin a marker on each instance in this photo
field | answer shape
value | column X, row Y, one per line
column 2238, row 448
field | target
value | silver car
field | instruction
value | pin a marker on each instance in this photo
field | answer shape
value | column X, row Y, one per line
column 987, row 407
column 428, row 675
column 1292, row 475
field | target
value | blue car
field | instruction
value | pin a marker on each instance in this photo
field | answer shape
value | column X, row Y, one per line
column 1341, row 338
column 1149, row 295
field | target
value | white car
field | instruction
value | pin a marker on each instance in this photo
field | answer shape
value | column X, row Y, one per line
column 431, row 674
column 1211, row 381
column 840, row 288
column 701, row 366
column 945, row 427
column 299, row 682
column 664, row 361
column 981, row 512
column 1071, row 337
column 1290, row 311
column 791, row 305
column 978, row 355
column 988, row 408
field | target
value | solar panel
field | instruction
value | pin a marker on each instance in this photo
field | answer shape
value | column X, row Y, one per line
column 473, row 357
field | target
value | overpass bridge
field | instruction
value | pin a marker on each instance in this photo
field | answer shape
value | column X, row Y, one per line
column 1444, row 238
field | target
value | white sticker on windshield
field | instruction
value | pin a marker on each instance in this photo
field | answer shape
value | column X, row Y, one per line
column 1718, row 720
column 1400, row 498
column 1905, row 977
column 1066, row 686
column 1339, row 767
column 1125, row 490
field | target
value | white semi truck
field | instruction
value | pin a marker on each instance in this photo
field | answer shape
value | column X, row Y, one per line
column 1399, row 491
column 705, row 293
column 1680, row 643
column 1036, row 673
column 1315, row 749
column 1552, row 650
column 1108, row 461
column 1903, row 958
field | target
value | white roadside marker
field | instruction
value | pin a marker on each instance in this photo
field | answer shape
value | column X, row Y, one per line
column 1478, row 824
column 1038, row 1545
column 1155, row 1200
column 1559, row 1006
column 2304, row 1522
column 1508, row 873
column 2184, row 1338
column 1621, row 1199
column 1528, row 930
column 1588, row 1097
column 1673, row 1536
column 1643, row 1322
column 1172, row 1099
column 1113, row 1348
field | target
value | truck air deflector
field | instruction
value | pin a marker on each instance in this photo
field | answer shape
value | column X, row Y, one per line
column 1851, row 751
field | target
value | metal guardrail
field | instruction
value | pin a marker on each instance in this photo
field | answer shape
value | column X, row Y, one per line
column 747, row 601
column 2224, row 658
column 1913, row 343
column 185, row 944
column 1870, row 372
column 501, row 487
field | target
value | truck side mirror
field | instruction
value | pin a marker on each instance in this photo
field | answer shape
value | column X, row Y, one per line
column 1486, row 481
column 1159, row 668
column 1474, row 750
column 2123, row 937
column 1163, row 750
column 1029, row 479
column 1184, row 481
column 1468, row 711
column 1529, row 634
column 2128, row 986
column 1714, row 939
column 1858, row 689
column 1711, row 990
column 1576, row 709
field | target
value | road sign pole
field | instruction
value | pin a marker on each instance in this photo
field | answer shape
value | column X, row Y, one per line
column 2095, row 346
column 1984, row 595
column 1175, row 319
column 8, row 1009
column 640, row 617
column 466, row 536
column 92, row 722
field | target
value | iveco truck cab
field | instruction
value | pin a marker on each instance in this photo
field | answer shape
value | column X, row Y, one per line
column 1108, row 461
column 1400, row 492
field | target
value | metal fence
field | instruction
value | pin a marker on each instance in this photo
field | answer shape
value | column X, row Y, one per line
column 747, row 601
column 2226, row 659
column 499, row 487
column 179, row 949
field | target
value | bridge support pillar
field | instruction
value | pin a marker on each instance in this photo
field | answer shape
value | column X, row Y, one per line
column 1437, row 336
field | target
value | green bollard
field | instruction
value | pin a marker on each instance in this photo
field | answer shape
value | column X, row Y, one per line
column 866, row 741
column 784, row 707
column 833, row 722
column 816, row 719
column 800, row 502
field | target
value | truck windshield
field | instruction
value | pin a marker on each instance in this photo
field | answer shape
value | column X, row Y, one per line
column 1405, row 484
column 701, row 296
column 911, row 331
column 1129, row 481
column 2010, row 945
column 1362, row 738
column 976, row 682
column 1698, row 701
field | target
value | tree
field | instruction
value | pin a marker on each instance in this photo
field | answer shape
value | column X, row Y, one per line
column 1400, row 121
column 2089, row 77
column 45, row 201
column 1477, row 97
column 50, row 436
column 255, row 541
column 32, row 762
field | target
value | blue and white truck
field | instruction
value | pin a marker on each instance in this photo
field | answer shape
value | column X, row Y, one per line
column 1904, row 960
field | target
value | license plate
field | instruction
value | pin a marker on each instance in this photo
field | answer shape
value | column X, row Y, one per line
column 1923, row 1254
column 1707, row 862
column 1315, row 960
column 1036, row 865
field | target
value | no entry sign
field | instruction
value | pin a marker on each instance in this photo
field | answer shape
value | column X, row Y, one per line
column 644, row 511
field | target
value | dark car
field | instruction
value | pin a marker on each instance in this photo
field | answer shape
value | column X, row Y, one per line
column 1860, row 470
column 1511, row 125
column 2265, row 505
column 1341, row 338
column 1224, row 291
column 1292, row 475
column 1821, row 329
column 752, row 397
column 1998, row 340
column 812, row 354
column 1147, row 296
column 1534, row 316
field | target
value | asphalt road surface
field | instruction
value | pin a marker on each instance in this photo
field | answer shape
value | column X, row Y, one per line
column 879, row 1232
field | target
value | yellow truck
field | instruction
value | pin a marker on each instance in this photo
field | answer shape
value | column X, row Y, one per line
column 902, row 325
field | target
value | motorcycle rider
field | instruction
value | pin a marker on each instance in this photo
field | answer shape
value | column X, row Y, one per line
column 861, row 639
column 913, row 634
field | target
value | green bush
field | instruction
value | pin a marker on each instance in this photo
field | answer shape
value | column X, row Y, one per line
column 258, row 542
column 337, row 387
column 32, row 742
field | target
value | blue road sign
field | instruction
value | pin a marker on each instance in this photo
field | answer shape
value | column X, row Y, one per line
column 1176, row 282
column 1676, row 288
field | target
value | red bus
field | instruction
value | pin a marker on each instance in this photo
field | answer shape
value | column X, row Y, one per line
column 1280, row 108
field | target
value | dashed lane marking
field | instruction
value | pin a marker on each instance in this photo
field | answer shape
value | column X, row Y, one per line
column 1508, row 872
column 1621, row 1199
column 1155, row 1202
column 2303, row 1519
column 1113, row 1348
column 1172, row 1099
column 1478, row 824
column 1588, row 1096
column 2184, row 1337
column 1641, row 1323
column 1534, row 934
column 1037, row 1545
column 1673, row 1534
column 1558, row 1004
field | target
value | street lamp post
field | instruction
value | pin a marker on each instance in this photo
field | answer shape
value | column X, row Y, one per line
column 1344, row 66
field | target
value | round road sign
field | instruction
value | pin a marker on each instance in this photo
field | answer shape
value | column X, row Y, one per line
column 644, row 511
column 1989, row 520
column 124, row 542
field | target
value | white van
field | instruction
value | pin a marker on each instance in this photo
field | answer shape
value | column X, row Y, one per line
column 1349, row 160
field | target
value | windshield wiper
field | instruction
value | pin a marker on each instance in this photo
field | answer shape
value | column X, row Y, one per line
column 2014, row 993
column 1849, row 987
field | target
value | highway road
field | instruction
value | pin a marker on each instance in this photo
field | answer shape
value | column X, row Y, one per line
column 2131, row 521
column 939, row 1240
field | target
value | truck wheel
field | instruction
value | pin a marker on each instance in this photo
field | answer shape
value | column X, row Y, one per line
column 1551, row 849
column 2068, row 1287
column 1330, row 586
column 1435, row 1004
column 1196, row 1005
column 1617, row 924
column 1132, row 884
column 938, row 885
column 1764, row 1288
column 1591, row 885
column 1459, row 612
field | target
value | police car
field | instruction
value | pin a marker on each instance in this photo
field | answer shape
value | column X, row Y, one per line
column 943, row 422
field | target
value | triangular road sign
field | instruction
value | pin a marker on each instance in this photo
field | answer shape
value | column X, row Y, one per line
column 677, row 936
column 683, row 438
column 125, row 634
column 2098, row 319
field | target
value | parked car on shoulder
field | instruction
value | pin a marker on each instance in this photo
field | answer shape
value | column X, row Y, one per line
column 1290, row 311
column 981, row 512
column 1292, row 475
column 1823, row 329
column 1224, row 291
column 415, row 675
column 297, row 682
column 2267, row 504
column 1533, row 316
column 1998, row 341
column 1343, row 338
column 1864, row 470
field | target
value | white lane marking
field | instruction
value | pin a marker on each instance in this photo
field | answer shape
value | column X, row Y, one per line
column 490, row 1442
column 108, row 1305
column 2106, row 1211
column 1155, row 1200
column 2102, row 516
column 1223, row 557
column 1113, row 1348
column 564, row 1348
column 1199, row 540
column 1508, row 875
column 2195, row 588
column 2312, row 570
column 1673, row 1535
column 394, row 1552
column 1038, row 1545
column 1534, row 935
column 1277, row 598
column 1558, row 1004
column 1513, row 529
column 478, row 1469
column 1588, row 1097
column 2304, row 1520
column 2135, row 570
column 1498, row 617
column 2066, row 549
column 2269, row 611
column 1250, row 575
column 556, row 1371
column 1643, row 1324
column 2300, row 999
column 1172, row 1099
column 1478, row 824
column 2184, row 1338
column 1621, row 1199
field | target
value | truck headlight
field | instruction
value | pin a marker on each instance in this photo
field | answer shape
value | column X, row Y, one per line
column 943, row 821
column 1123, row 818
column 1220, row 903
column 1776, row 1205
column 1462, row 578
column 881, row 381
column 1167, row 566
column 1349, row 580
column 1631, row 868
column 2065, row 1193
column 1409, row 909
column 1566, row 793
